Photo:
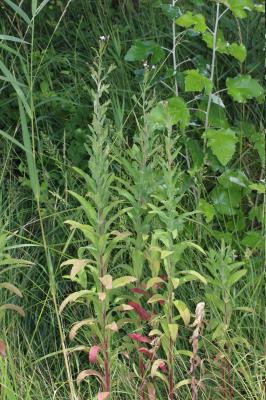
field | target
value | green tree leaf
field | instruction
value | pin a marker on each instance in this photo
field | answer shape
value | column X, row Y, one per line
column 222, row 143
column 239, row 7
column 225, row 201
column 195, row 82
column 169, row 112
column 243, row 87
column 188, row 20
column 141, row 51
column 238, row 51
column 207, row 209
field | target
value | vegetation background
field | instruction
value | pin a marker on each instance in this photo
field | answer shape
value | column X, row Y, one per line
column 148, row 116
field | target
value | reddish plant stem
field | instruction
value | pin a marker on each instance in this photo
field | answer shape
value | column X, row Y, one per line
column 171, row 377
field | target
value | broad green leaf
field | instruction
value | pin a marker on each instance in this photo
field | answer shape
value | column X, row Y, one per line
column 196, row 82
column 243, row 87
column 221, row 44
column 183, row 311
column 226, row 201
column 253, row 239
column 258, row 187
column 207, row 209
column 222, row 143
column 235, row 277
column 123, row 281
column 196, row 153
column 234, row 178
column 238, row 51
column 173, row 330
column 140, row 51
column 188, row 20
column 170, row 11
column 217, row 114
column 169, row 112
column 239, row 7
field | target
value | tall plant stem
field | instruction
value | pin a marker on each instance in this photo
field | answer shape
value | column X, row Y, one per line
column 174, row 49
column 212, row 69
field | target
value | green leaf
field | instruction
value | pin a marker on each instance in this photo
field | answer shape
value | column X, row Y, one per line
column 217, row 115
column 195, row 82
column 155, row 298
column 193, row 275
column 170, row 11
column 18, row 10
column 141, row 51
column 153, row 281
column 222, row 45
column 258, row 187
column 235, row 277
column 226, row 201
column 33, row 7
column 123, row 281
column 252, row 239
column 169, row 112
column 188, row 20
column 234, row 178
column 243, row 87
column 207, row 209
column 238, row 51
column 173, row 330
column 239, row 7
column 12, row 39
column 222, row 143
column 183, row 311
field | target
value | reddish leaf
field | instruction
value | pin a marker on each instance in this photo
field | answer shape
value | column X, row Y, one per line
column 2, row 348
column 139, row 291
column 162, row 366
column 139, row 338
column 146, row 352
column 103, row 395
column 151, row 391
column 140, row 311
column 93, row 353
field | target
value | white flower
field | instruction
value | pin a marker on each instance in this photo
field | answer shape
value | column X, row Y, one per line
column 104, row 38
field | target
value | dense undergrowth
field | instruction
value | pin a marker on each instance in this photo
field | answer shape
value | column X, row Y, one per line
column 132, row 200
